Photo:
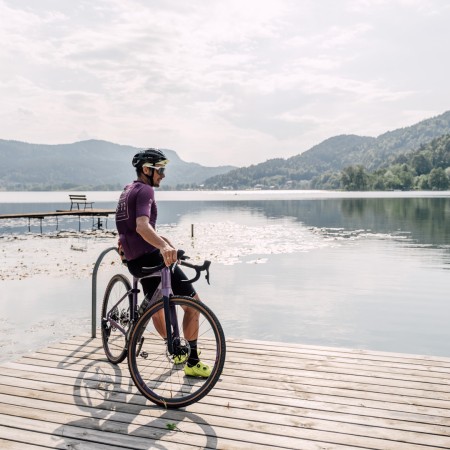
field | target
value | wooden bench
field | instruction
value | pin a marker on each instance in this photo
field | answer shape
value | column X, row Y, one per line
column 79, row 200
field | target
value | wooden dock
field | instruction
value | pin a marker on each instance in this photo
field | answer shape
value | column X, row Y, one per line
column 60, row 213
column 270, row 396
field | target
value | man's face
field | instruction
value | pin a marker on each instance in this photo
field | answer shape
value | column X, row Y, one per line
column 158, row 176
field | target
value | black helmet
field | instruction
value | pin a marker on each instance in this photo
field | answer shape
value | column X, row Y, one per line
column 151, row 155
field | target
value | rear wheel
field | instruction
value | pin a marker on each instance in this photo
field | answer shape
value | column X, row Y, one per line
column 159, row 376
column 115, row 318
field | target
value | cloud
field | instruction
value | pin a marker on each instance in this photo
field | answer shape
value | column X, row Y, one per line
column 221, row 81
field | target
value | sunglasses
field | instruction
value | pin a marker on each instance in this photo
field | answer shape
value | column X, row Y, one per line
column 160, row 170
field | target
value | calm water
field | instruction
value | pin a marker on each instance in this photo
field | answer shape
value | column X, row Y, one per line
column 333, row 269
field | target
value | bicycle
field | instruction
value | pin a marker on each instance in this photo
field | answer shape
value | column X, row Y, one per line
column 156, row 363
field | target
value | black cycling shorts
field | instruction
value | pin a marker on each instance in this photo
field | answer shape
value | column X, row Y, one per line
column 151, row 283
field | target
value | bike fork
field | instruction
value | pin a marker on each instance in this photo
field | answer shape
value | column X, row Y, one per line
column 170, row 317
column 168, row 325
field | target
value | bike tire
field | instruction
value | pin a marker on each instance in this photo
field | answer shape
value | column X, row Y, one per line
column 154, row 372
column 114, row 341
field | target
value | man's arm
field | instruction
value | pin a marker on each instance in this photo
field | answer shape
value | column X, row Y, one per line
column 167, row 240
column 148, row 233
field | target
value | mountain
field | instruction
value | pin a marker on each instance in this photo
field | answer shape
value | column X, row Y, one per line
column 101, row 165
column 333, row 155
column 87, row 165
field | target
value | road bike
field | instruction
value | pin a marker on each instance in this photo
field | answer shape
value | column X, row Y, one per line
column 151, row 333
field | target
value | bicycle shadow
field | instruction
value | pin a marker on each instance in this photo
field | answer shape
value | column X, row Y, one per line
column 74, row 357
column 109, row 403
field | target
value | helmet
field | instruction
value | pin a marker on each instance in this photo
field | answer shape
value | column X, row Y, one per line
column 151, row 155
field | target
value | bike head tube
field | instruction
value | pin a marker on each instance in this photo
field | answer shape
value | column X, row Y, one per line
column 166, row 285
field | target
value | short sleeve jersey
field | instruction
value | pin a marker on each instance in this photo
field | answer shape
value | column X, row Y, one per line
column 137, row 200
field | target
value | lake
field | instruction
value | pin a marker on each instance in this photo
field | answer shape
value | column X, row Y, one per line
column 357, row 270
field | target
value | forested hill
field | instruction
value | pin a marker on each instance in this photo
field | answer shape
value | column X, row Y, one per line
column 86, row 165
column 332, row 156
column 427, row 168
column 341, row 162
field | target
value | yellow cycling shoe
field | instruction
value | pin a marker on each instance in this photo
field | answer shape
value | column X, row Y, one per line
column 199, row 370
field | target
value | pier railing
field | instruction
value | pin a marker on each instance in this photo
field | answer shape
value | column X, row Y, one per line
column 94, row 289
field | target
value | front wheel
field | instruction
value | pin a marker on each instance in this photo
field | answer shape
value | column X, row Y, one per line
column 160, row 377
column 115, row 318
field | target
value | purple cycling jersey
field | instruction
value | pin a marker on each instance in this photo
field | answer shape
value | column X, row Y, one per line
column 136, row 200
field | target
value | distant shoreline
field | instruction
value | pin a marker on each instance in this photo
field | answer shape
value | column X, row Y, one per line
column 112, row 196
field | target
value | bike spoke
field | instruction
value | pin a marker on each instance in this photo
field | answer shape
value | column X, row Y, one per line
column 155, row 372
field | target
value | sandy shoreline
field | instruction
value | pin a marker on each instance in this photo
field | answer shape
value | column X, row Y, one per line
column 67, row 254
column 73, row 254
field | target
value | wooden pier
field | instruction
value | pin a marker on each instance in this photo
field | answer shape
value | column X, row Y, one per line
column 270, row 396
column 59, row 213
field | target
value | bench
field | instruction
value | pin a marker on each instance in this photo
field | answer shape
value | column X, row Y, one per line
column 79, row 200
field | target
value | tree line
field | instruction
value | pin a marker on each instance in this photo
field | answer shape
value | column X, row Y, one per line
column 427, row 168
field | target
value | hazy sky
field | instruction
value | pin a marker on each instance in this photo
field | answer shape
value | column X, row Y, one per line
column 220, row 82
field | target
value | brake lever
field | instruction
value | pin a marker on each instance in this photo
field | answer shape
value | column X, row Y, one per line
column 180, row 257
column 207, row 275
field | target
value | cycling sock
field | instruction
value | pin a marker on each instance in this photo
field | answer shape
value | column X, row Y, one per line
column 193, row 357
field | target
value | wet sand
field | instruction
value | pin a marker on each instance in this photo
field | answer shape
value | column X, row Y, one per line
column 65, row 254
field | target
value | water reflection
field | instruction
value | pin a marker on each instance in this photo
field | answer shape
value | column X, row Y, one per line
column 426, row 220
column 354, row 272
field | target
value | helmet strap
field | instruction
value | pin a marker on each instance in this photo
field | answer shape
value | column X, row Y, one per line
column 149, row 177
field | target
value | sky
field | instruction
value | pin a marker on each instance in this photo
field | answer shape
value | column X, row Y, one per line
column 220, row 82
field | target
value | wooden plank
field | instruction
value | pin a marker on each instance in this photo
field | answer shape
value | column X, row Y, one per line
column 22, row 439
column 274, row 369
column 263, row 346
column 254, row 401
column 270, row 395
column 8, row 442
column 238, row 418
column 282, row 393
column 251, row 432
column 241, row 409
column 297, row 381
column 71, row 435
column 234, row 387
column 71, row 383
column 416, row 373
column 311, row 353
column 320, row 355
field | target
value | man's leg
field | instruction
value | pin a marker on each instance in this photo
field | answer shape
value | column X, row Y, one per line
column 160, row 323
column 191, row 322
column 149, row 286
column 194, row 367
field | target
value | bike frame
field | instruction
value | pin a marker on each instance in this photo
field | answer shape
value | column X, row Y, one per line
column 170, row 317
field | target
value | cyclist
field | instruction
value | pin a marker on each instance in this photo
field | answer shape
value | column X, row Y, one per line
column 136, row 217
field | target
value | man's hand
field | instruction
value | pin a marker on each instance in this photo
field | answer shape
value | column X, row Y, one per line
column 168, row 252
column 169, row 255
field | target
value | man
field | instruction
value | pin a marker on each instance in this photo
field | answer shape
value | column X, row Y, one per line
column 136, row 216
